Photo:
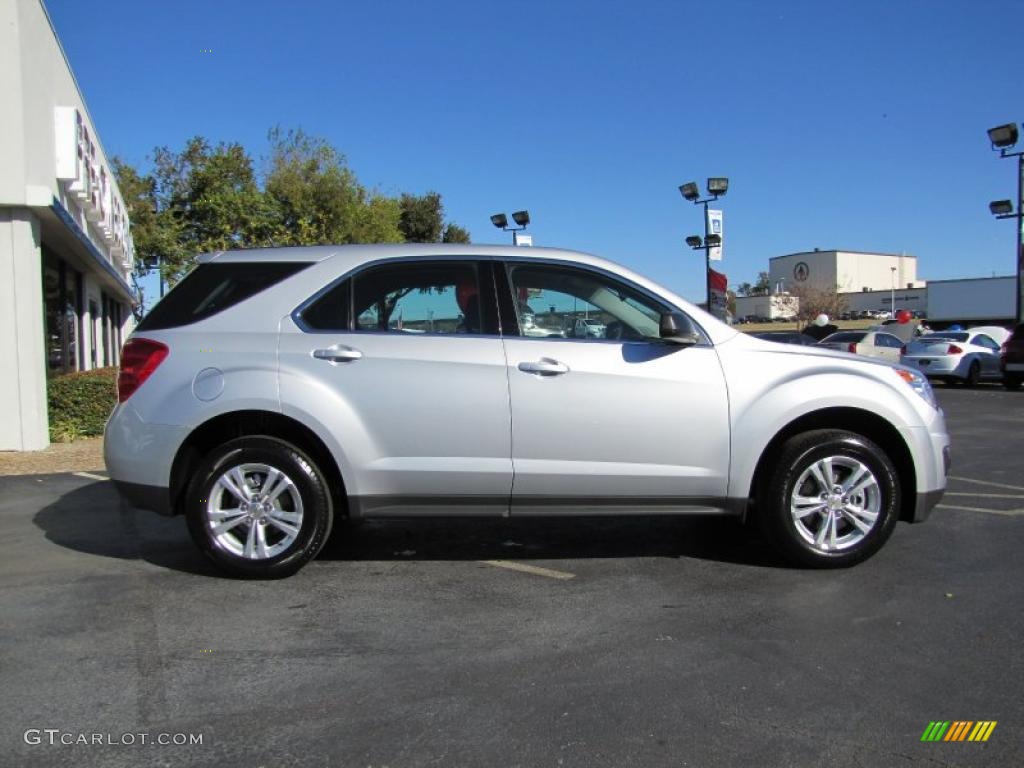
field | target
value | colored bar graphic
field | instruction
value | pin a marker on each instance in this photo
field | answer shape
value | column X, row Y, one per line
column 958, row 730
column 935, row 730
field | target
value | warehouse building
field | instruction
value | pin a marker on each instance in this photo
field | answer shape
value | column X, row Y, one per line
column 65, row 248
column 845, row 271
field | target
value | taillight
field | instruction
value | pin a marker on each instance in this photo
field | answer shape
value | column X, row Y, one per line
column 852, row 348
column 139, row 358
column 954, row 350
column 903, row 349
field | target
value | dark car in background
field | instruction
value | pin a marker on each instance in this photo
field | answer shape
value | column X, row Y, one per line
column 1011, row 359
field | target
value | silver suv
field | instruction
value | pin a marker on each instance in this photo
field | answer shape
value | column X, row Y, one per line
column 276, row 389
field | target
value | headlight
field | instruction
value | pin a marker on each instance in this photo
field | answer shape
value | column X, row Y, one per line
column 919, row 383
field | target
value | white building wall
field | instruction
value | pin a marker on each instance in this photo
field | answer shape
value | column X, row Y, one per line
column 820, row 270
column 857, row 271
column 44, row 123
column 847, row 271
column 24, row 425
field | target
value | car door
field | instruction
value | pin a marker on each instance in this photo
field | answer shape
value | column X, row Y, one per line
column 618, row 423
column 402, row 365
column 887, row 347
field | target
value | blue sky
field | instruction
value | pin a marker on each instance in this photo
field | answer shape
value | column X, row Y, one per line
column 841, row 125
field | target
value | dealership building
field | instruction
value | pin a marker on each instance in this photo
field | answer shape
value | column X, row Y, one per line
column 65, row 247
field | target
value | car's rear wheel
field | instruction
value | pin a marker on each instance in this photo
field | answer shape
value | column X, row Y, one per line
column 259, row 508
column 973, row 374
column 832, row 499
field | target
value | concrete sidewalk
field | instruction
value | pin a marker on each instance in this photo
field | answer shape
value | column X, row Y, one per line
column 84, row 455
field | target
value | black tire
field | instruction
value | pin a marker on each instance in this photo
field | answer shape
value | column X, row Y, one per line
column 1012, row 383
column 973, row 374
column 308, row 482
column 795, row 458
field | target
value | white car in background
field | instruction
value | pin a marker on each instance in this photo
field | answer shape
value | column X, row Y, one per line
column 997, row 333
column 883, row 346
column 964, row 357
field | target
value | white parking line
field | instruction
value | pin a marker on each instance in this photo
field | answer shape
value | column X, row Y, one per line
column 534, row 569
column 986, row 495
column 1003, row 512
column 988, row 482
column 90, row 475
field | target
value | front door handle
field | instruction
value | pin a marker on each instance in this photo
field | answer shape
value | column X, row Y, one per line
column 339, row 353
column 544, row 367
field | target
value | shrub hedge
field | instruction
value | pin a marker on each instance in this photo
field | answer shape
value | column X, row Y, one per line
column 79, row 403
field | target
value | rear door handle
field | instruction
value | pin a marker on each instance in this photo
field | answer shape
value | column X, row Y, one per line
column 544, row 367
column 339, row 353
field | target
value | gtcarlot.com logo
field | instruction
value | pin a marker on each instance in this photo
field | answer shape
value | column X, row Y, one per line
column 958, row 730
column 55, row 736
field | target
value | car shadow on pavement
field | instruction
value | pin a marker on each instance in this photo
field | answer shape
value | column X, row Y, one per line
column 92, row 519
column 567, row 538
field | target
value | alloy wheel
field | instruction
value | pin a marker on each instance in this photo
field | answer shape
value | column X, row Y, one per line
column 254, row 511
column 835, row 503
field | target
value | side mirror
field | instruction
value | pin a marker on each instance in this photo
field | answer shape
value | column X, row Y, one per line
column 677, row 328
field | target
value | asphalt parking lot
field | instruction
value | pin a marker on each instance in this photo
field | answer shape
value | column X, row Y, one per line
column 642, row 642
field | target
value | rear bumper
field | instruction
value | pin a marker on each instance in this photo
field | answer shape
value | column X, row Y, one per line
column 151, row 497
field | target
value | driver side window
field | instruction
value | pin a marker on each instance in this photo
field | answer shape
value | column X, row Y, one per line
column 565, row 302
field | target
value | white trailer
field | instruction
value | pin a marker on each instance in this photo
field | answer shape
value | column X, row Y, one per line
column 972, row 299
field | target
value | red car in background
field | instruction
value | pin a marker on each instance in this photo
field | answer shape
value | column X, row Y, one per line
column 1011, row 359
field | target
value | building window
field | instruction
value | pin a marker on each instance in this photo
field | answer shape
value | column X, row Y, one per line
column 62, row 314
column 94, row 314
column 107, row 358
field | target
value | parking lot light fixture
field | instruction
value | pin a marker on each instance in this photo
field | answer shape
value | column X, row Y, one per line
column 690, row 191
column 1001, row 208
column 694, row 241
column 521, row 218
column 1003, row 136
column 718, row 186
column 1004, row 139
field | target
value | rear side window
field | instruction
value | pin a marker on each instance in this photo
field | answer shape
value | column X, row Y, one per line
column 212, row 288
column 418, row 297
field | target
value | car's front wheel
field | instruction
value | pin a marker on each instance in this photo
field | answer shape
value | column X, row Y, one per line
column 832, row 499
column 259, row 508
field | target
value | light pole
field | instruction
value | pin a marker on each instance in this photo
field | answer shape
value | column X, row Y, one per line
column 717, row 187
column 892, row 295
column 522, row 218
column 1004, row 138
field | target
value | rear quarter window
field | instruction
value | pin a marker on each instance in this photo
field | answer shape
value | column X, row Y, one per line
column 211, row 288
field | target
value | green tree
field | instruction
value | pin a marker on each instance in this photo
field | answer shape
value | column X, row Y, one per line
column 422, row 219
column 453, row 233
column 209, row 198
column 763, row 286
column 317, row 198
